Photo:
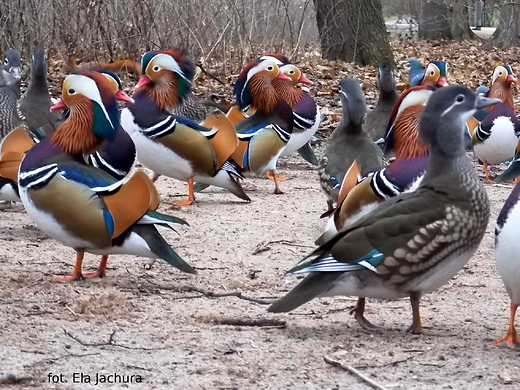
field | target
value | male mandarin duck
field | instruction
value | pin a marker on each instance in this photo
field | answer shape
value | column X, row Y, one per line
column 402, row 133
column 82, row 206
column 507, row 256
column 358, row 197
column 435, row 73
column 175, row 146
column 348, row 143
column 33, row 106
column 376, row 120
column 117, row 156
column 306, row 113
column 416, row 242
column 403, row 124
column 495, row 137
column 264, row 135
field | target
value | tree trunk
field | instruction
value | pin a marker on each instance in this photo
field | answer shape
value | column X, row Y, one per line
column 439, row 21
column 353, row 30
column 507, row 33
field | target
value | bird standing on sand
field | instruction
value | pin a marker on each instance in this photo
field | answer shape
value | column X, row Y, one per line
column 414, row 243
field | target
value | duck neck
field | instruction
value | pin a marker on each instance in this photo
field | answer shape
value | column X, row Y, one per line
column 287, row 91
column 76, row 135
column 264, row 98
column 501, row 90
column 164, row 92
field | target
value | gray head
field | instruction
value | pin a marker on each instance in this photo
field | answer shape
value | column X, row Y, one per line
column 444, row 118
column 385, row 79
column 38, row 63
column 353, row 103
column 13, row 63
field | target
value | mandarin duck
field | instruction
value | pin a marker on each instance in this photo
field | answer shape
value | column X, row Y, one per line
column 358, row 196
column 403, row 124
column 435, row 73
column 9, row 93
column 377, row 119
column 172, row 145
column 416, row 242
column 33, row 106
column 348, row 143
column 306, row 113
column 264, row 135
column 495, row 137
column 13, row 64
column 82, row 206
column 507, row 256
column 117, row 156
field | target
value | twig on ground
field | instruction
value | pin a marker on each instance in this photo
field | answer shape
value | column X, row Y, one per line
column 109, row 342
column 261, row 322
column 72, row 311
column 355, row 372
column 392, row 363
column 211, row 294
column 264, row 246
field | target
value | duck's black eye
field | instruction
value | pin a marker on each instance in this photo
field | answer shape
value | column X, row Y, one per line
column 270, row 68
column 6, row 61
column 460, row 98
column 500, row 73
column 292, row 72
column 71, row 91
column 432, row 73
column 156, row 68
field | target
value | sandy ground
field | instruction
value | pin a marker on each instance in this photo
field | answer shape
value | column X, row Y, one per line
column 169, row 329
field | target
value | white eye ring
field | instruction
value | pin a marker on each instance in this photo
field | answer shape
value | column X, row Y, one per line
column 270, row 68
column 500, row 73
column 156, row 68
column 432, row 73
column 6, row 61
column 292, row 72
column 71, row 91
column 459, row 99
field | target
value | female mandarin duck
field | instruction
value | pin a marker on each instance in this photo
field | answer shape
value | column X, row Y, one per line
column 507, row 250
column 82, row 206
column 416, row 242
column 376, row 121
column 306, row 113
column 175, row 146
column 348, row 143
column 264, row 135
column 495, row 137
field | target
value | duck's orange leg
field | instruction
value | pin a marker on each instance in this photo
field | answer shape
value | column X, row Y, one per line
column 277, row 189
column 416, row 327
column 76, row 273
column 271, row 175
column 101, row 271
column 191, row 196
column 358, row 312
column 486, row 173
column 511, row 339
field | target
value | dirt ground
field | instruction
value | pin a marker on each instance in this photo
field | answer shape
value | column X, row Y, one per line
column 170, row 330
